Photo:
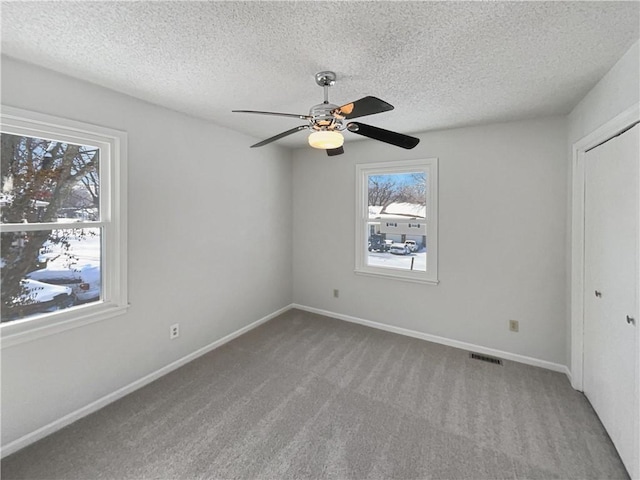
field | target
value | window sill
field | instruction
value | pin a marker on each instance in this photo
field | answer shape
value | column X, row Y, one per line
column 396, row 276
column 22, row 331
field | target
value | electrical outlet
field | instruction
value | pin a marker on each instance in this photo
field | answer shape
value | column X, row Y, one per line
column 514, row 325
column 174, row 331
column 336, row 293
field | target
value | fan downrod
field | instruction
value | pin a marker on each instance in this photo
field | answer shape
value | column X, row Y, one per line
column 326, row 79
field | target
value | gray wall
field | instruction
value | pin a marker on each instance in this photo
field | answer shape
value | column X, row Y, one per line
column 502, row 197
column 209, row 247
column 503, row 239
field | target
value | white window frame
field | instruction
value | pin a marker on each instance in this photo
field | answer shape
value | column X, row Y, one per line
column 363, row 171
column 113, row 221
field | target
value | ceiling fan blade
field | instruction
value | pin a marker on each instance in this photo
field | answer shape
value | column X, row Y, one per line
column 294, row 115
column 362, row 107
column 387, row 136
column 332, row 152
column 280, row 135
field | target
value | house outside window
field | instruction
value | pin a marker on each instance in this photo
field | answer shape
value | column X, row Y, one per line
column 63, row 224
column 397, row 220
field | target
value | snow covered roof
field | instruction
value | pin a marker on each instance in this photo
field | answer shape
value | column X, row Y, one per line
column 374, row 210
column 7, row 199
column 406, row 210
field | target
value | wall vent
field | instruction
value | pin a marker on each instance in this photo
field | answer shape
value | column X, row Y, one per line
column 485, row 358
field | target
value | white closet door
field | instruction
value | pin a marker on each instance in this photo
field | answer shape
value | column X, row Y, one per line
column 611, row 286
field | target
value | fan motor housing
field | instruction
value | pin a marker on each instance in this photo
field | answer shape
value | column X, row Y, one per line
column 323, row 119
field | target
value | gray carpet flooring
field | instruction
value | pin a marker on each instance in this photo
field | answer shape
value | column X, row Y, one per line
column 305, row 396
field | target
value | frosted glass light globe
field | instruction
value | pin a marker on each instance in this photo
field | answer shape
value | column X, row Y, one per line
column 326, row 139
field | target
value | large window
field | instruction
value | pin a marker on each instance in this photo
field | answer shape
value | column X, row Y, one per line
column 397, row 220
column 63, row 238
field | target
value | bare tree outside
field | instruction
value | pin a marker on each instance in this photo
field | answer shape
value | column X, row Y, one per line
column 392, row 188
column 43, row 181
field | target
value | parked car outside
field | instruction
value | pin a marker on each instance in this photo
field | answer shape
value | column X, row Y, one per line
column 413, row 246
column 400, row 249
column 377, row 243
column 84, row 281
column 38, row 297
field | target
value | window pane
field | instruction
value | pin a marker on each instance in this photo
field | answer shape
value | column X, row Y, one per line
column 49, row 270
column 45, row 180
column 396, row 225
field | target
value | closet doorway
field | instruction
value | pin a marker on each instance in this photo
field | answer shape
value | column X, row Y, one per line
column 611, row 214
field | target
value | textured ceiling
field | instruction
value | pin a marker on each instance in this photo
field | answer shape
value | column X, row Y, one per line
column 441, row 64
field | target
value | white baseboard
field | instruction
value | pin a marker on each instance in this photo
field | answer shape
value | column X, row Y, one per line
column 567, row 372
column 556, row 367
column 112, row 397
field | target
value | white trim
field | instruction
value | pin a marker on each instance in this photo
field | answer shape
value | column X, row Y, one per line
column 604, row 132
column 556, row 367
column 113, row 222
column 52, row 323
column 121, row 392
column 403, row 277
column 363, row 170
column 68, row 419
column 86, row 132
column 32, row 227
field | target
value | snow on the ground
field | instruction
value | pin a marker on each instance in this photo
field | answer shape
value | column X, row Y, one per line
column 389, row 260
column 84, row 250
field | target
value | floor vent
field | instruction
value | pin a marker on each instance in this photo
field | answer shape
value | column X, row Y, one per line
column 485, row 358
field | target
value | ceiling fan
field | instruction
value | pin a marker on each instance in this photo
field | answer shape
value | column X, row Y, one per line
column 326, row 121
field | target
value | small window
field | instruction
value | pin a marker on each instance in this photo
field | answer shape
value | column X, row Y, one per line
column 397, row 220
column 63, row 250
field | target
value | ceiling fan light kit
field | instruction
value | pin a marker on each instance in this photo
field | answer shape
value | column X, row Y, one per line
column 326, row 121
column 326, row 139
